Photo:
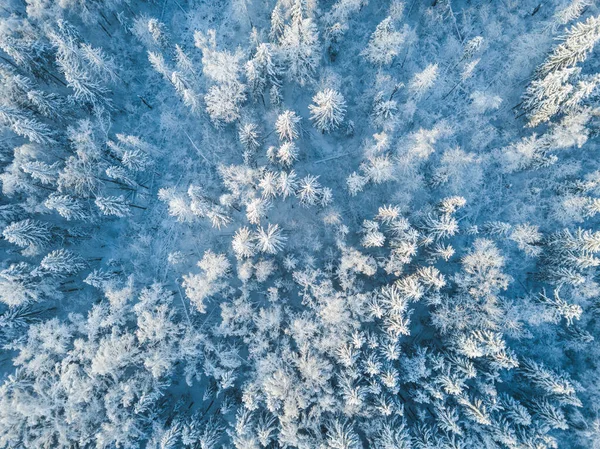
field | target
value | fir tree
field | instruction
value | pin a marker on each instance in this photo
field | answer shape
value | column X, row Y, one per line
column 328, row 110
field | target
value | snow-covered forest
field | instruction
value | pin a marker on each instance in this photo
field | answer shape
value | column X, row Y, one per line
column 312, row 224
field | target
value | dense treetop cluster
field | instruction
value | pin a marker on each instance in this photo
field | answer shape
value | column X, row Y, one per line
column 312, row 224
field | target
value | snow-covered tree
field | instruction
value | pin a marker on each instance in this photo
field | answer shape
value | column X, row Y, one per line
column 200, row 287
column 385, row 43
column 113, row 205
column 287, row 125
column 62, row 262
column 243, row 243
column 300, row 49
column 270, row 240
column 28, row 233
column 328, row 110
column 223, row 102
column 424, row 80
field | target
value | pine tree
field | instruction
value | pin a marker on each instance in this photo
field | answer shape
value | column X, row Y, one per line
column 184, row 62
column 377, row 169
column 243, row 243
column 287, row 154
column 159, row 64
column 46, row 174
column 287, row 183
column 552, row 92
column 570, row 12
column 268, row 185
column 424, row 80
column 342, row 436
column 287, row 125
column 18, row 286
column 384, row 44
column 248, row 136
column 384, row 111
column 577, row 44
column 24, row 125
column 262, row 70
column 328, row 110
column 157, row 30
column 223, row 67
column 113, row 205
column 300, row 49
column 62, row 262
column 83, row 67
column 223, row 102
column 309, row 190
column 277, row 23
column 560, row 308
column 270, row 240
column 67, row 206
column 28, row 233
column 200, row 287
column 356, row 183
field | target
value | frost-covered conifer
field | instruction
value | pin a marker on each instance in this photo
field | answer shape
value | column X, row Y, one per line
column 309, row 190
column 553, row 91
column 378, row 169
column 200, row 287
column 183, row 88
column 277, row 22
column 472, row 47
column 372, row 236
column 529, row 153
column 384, row 111
column 270, row 240
column 218, row 216
column 223, row 102
column 527, row 238
column 180, row 207
column 28, row 233
column 62, row 262
column 356, row 183
column 26, row 126
column 158, row 32
column 385, row 43
column 483, row 274
column 248, row 135
column 113, row 205
column 243, row 243
column 86, row 69
column 18, row 285
column 287, row 125
column 287, row 183
column 570, row 12
column 199, row 203
column 256, row 210
column 184, row 62
column 388, row 214
column 41, row 171
column 287, row 154
column 424, row 80
column 560, row 308
column 268, row 184
column 159, row 64
column 576, row 45
column 567, row 255
column 328, row 110
column 262, row 70
column 300, row 49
